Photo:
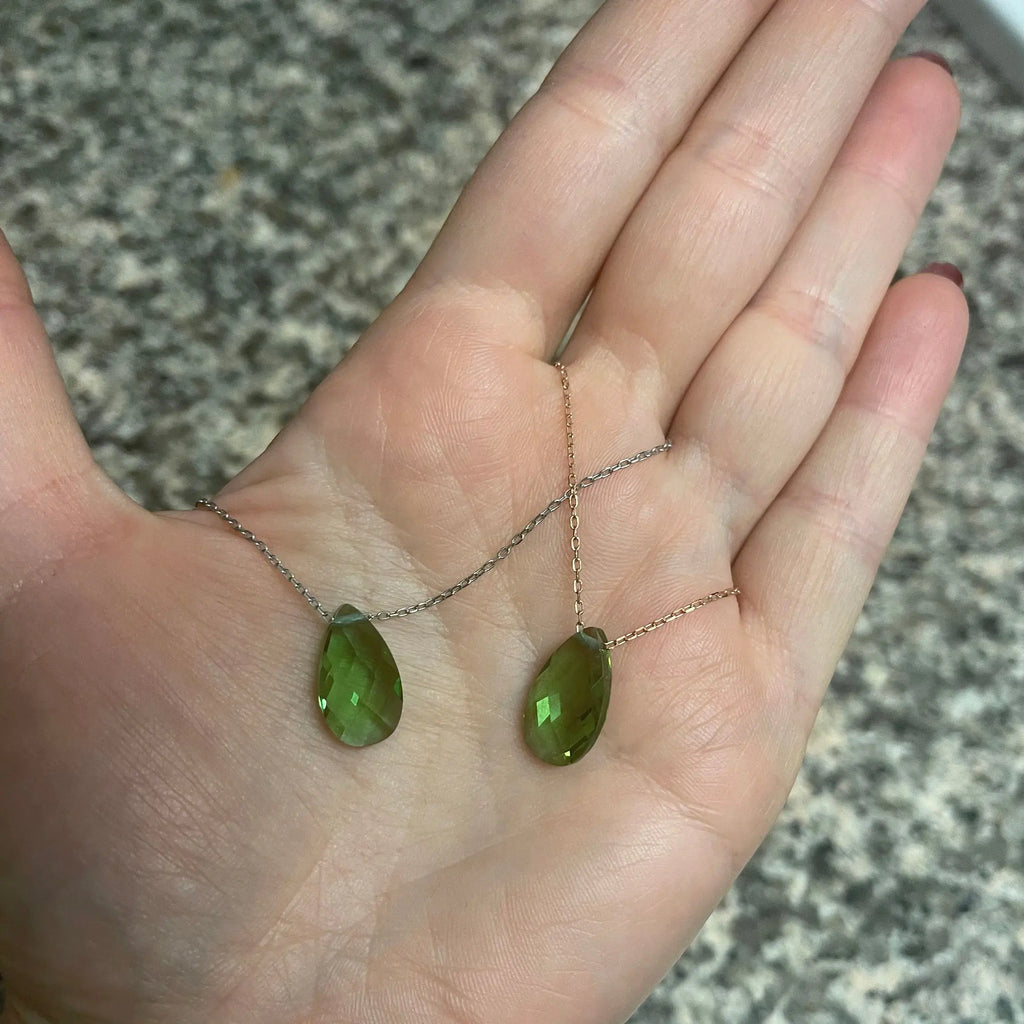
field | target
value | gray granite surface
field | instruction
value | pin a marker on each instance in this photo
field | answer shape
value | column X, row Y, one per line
column 213, row 197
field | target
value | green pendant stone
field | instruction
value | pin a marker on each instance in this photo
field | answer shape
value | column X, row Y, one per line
column 568, row 701
column 360, row 690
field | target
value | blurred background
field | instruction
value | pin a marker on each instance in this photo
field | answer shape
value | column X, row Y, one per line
column 213, row 198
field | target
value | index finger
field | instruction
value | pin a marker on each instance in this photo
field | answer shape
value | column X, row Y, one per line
column 543, row 209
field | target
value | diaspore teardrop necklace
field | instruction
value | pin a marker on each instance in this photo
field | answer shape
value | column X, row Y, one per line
column 568, row 702
column 359, row 687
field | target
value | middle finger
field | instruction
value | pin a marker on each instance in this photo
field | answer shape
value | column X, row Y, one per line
column 723, row 206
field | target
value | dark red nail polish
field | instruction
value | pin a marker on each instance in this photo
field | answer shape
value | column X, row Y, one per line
column 948, row 271
column 935, row 58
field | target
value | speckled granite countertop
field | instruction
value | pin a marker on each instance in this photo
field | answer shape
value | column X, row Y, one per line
column 213, row 197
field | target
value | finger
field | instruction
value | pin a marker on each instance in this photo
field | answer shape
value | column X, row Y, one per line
column 41, row 440
column 807, row 567
column 45, row 465
column 727, row 201
column 538, row 217
column 795, row 343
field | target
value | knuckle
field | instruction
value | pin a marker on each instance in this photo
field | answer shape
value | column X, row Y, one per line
column 811, row 315
column 753, row 159
column 597, row 98
column 842, row 520
column 881, row 11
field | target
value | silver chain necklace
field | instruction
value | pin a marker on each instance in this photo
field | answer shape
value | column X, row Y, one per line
column 466, row 581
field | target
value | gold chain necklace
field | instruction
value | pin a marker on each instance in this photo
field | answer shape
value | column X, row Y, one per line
column 567, row 705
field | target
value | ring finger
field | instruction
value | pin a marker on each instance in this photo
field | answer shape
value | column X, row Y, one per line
column 794, row 345
column 726, row 202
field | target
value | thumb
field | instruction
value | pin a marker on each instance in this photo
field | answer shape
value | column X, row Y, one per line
column 49, row 483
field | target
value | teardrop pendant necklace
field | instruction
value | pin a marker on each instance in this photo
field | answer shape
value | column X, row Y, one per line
column 359, row 686
column 567, row 705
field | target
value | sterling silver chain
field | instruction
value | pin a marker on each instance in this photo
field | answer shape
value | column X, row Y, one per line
column 455, row 588
column 571, row 495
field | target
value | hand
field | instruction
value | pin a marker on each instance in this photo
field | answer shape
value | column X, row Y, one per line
column 181, row 838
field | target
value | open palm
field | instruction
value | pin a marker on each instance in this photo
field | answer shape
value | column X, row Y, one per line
column 181, row 838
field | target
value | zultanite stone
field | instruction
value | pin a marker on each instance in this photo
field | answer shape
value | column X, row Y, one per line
column 568, row 701
column 360, row 691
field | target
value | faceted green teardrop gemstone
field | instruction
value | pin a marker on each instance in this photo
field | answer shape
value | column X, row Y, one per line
column 360, row 690
column 568, row 701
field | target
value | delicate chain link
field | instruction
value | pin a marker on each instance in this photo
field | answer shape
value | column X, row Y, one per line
column 518, row 539
column 267, row 554
column 502, row 554
column 671, row 617
column 574, row 526
column 571, row 496
column 574, row 499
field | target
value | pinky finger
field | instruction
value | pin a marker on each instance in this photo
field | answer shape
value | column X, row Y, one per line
column 806, row 569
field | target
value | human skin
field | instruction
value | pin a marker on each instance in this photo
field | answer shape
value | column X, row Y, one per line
column 182, row 840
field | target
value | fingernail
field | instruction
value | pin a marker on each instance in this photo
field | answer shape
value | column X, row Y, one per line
column 935, row 58
column 947, row 270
